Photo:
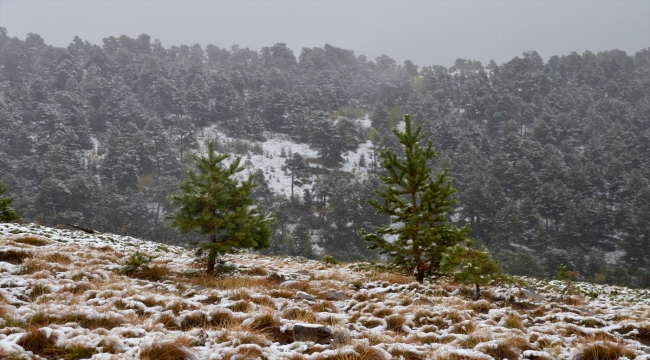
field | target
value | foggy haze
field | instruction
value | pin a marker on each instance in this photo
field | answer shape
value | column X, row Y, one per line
column 426, row 32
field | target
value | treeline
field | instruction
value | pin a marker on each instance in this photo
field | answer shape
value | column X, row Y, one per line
column 550, row 158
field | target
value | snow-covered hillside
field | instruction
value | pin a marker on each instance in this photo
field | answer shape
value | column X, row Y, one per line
column 63, row 296
column 270, row 159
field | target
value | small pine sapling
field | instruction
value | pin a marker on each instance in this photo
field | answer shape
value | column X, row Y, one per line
column 213, row 202
column 7, row 214
column 136, row 261
column 418, row 204
column 568, row 277
column 470, row 266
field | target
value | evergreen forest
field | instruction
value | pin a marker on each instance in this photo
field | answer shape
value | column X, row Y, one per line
column 550, row 159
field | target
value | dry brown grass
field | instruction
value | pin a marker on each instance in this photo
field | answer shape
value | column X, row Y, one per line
column 243, row 282
column 37, row 342
column 176, row 306
column 325, row 306
column 480, row 306
column 157, row 272
column 465, row 327
column 383, row 312
column 392, row 278
column 299, row 286
column 15, row 257
column 282, row 293
column 256, row 271
column 79, row 287
column 38, row 290
column 265, row 301
column 371, row 322
column 30, row 266
column 248, row 352
column 395, row 322
column 33, row 240
column 501, row 351
column 300, row 314
column 223, row 319
column 513, row 321
column 241, row 306
column 179, row 349
column 605, row 350
column 91, row 323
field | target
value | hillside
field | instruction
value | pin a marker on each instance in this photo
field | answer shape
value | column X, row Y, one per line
column 63, row 296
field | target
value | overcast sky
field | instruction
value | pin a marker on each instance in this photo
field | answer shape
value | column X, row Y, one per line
column 426, row 32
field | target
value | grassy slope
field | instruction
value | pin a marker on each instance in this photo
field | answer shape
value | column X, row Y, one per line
column 62, row 295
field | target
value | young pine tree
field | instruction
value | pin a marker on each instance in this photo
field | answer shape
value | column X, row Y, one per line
column 417, row 202
column 7, row 214
column 213, row 202
column 470, row 266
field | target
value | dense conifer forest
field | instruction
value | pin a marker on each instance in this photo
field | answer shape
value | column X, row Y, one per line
column 550, row 158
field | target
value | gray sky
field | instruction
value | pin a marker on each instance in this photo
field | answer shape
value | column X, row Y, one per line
column 426, row 32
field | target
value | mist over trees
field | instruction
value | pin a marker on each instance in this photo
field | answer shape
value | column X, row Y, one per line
column 550, row 159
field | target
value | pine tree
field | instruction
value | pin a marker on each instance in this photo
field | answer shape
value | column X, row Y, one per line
column 470, row 266
column 7, row 214
column 417, row 203
column 212, row 202
column 297, row 167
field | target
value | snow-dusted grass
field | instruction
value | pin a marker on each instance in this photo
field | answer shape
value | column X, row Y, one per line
column 62, row 295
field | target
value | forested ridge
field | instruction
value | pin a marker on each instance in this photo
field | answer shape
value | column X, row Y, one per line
column 550, row 159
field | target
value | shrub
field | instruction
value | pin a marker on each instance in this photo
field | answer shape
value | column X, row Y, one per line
column 136, row 262
column 330, row 260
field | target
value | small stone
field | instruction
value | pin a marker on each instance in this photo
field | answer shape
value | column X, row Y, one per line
column 198, row 288
column 303, row 272
column 309, row 332
column 335, row 295
column 340, row 338
column 304, row 296
column 529, row 294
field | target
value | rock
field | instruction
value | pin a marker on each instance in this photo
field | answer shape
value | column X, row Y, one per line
column 304, row 296
column 303, row 272
column 198, row 288
column 341, row 338
column 335, row 295
column 529, row 294
column 311, row 332
column 647, row 350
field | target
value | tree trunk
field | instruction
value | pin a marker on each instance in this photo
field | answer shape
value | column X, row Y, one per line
column 212, row 255
column 421, row 270
column 477, row 294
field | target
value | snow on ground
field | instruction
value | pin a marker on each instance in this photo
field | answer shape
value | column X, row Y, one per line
column 62, row 295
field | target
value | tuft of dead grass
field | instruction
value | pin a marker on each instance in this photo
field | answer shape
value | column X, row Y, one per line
column 240, row 306
column 395, row 322
column 38, row 290
column 282, row 293
column 392, row 278
column 103, row 321
column 36, row 341
column 179, row 349
column 501, row 350
column 30, row 266
column 300, row 314
column 605, row 350
column 29, row 239
column 512, row 321
column 15, row 257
